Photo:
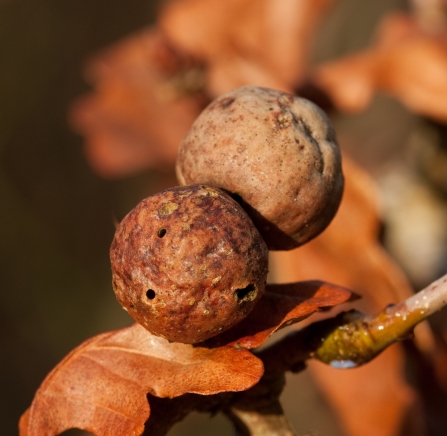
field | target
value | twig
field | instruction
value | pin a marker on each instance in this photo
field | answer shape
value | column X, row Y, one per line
column 352, row 338
column 363, row 337
column 428, row 301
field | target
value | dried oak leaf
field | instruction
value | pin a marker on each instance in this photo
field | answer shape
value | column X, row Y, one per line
column 373, row 399
column 261, row 42
column 404, row 61
column 101, row 386
column 146, row 97
column 282, row 305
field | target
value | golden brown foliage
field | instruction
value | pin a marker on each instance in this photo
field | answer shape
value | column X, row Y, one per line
column 101, row 386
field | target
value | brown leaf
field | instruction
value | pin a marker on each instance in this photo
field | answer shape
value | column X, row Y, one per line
column 146, row 98
column 150, row 87
column 232, row 70
column 270, row 39
column 373, row 399
column 101, row 386
column 389, row 66
column 281, row 306
column 348, row 251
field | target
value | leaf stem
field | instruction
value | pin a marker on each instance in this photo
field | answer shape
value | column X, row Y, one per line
column 360, row 338
column 352, row 338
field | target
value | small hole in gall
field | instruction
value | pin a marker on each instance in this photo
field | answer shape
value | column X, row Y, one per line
column 161, row 232
column 150, row 294
column 246, row 294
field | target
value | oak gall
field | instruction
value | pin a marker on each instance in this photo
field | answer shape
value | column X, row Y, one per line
column 188, row 263
column 275, row 153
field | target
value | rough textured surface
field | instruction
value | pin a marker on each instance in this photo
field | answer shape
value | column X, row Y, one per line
column 188, row 263
column 276, row 153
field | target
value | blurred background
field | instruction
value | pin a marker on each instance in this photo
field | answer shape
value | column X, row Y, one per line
column 57, row 216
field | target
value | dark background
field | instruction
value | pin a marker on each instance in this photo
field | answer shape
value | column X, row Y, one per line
column 56, row 215
column 56, row 220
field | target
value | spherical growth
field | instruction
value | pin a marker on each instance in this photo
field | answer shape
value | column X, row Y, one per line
column 276, row 154
column 188, row 263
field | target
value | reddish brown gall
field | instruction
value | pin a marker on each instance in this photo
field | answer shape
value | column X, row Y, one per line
column 188, row 263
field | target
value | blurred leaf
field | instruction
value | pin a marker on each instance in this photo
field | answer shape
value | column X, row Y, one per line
column 265, row 43
column 146, row 98
column 405, row 61
column 348, row 252
column 150, row 87
column 373, row 399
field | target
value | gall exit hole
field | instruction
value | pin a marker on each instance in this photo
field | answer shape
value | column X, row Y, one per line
column 246, row 294
column 150, row 294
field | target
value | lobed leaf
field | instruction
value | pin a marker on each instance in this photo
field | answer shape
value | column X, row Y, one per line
column 101, row 386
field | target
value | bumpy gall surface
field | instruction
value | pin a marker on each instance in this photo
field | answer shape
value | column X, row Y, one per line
column 276, row 154
column 188, row 263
